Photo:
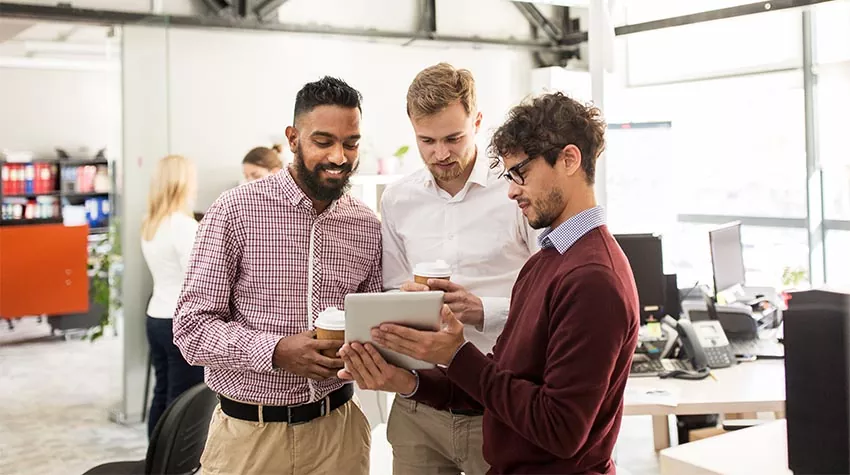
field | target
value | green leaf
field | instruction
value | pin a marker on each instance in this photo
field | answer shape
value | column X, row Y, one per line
column 401, row 152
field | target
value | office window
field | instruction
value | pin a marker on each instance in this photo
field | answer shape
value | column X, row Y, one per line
column 833, row 96
column 767, row 252
column 738, row 147
column 832, row 35
column 741, row 44
column 733, row 147
column 838, row 255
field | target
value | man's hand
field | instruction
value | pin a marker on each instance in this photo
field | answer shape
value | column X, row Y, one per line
column 299, row 354
column 411, row 286
column 364, row 365
column 467, row 307
column 434, row 347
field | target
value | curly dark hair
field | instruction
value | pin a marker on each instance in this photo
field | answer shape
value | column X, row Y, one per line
column 327, row 91
column 546, row 124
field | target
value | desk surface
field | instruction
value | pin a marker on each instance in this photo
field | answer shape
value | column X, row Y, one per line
column 758, row 386
column 762, row 449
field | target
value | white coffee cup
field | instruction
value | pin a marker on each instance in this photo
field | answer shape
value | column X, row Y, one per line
column 438, row 269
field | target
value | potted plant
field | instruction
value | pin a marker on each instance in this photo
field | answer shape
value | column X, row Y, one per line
column 793, row 277
column 106, row 270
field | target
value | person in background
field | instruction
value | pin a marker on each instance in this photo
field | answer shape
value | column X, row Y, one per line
column 261, row 162
column 456, row 209
column 552, row 390
column 168, row 233
column 271, row 255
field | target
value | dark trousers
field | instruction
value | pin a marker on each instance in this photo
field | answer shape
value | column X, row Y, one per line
column 173, row 373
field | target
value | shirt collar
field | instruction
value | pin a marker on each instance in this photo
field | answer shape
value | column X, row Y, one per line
column 480, row 171
column 296, row 195
column 291, row 190
column 571, row 230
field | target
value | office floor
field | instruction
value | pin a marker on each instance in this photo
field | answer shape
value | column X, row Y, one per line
column 56, row 395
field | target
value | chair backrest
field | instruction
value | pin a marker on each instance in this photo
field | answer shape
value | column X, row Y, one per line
column 179, row 437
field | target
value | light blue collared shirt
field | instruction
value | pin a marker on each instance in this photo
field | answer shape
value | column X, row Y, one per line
column 571, row 230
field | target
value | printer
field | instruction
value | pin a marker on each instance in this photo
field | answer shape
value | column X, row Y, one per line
column 739, row 320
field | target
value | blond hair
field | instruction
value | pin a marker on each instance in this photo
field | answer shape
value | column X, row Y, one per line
column 173, row 180
column 439, row 86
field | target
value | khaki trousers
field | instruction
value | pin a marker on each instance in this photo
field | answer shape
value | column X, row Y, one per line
column 336, row 443
column 426, row 441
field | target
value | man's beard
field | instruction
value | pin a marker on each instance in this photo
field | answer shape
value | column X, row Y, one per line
column 446, row 175
column 546, row 212
column 316, row 187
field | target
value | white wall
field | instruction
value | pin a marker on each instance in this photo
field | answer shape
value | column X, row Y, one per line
column 145, row 140
column 222, row 105
column 41, row 109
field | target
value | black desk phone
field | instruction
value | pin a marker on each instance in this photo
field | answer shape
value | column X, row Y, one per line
column 703, row 344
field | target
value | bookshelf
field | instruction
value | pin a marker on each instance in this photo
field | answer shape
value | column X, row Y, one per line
column 42, row 190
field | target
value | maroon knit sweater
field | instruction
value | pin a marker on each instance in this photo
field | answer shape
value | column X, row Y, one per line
column 552, row 391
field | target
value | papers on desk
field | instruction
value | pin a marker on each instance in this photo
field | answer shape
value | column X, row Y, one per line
column 652, row 396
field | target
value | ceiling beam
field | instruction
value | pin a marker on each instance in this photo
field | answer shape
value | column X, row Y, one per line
column 111, row 17
column 539, row 21
column 701, row 17
column 219, row 7
column 266, row 9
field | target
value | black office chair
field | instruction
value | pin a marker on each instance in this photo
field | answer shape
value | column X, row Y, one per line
column 177, row 441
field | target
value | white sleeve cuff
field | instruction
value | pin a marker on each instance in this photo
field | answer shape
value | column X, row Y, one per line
column 415, row 388
column 495, row 316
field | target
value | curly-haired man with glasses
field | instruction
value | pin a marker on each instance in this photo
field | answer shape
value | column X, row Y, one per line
column 552, row 390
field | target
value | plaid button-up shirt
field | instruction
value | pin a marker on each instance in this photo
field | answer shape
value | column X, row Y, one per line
column 263, row 266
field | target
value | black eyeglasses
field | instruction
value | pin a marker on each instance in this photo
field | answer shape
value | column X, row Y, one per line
column 515, row 174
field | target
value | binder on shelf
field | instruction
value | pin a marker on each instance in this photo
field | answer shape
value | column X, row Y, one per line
column 4, row 179
column 29, row 178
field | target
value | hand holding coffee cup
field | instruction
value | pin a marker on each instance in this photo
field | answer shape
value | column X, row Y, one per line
column 438, row 269
column 330, row 325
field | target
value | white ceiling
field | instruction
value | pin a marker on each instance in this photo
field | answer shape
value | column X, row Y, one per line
column 50, row 40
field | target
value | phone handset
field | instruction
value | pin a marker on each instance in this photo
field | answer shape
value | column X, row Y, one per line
column 691, row 346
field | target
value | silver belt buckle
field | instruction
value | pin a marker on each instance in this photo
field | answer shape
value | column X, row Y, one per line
column 326, row 406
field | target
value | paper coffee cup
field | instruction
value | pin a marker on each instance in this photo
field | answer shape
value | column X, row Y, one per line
column 439, row 269
column 330, row 325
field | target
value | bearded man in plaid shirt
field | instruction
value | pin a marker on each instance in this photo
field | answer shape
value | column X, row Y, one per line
column 269, row 256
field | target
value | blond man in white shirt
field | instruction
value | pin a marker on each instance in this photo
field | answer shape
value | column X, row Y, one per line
column 457, row 210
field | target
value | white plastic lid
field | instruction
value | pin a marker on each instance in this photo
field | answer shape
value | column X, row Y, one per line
column 439, row 268
column 331, row 318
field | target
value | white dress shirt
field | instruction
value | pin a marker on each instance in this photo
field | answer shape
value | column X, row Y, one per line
column 480, row 232
column 167, row 257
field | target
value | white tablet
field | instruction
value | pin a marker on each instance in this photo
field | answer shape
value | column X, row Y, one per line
column 420, row 310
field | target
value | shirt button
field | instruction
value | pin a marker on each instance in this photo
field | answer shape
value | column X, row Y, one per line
column 451, row 237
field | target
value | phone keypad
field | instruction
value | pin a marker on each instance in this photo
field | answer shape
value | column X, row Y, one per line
column 718, row 357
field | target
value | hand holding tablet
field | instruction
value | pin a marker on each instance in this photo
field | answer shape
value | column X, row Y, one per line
column 419, row 310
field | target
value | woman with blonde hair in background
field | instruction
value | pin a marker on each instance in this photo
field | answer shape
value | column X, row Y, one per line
column 168, row 234
column 261, row 162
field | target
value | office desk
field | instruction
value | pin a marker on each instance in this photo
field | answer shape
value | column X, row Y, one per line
column 747, row 387
column 762, row 449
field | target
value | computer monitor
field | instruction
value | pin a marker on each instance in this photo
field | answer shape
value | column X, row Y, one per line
column 647, row 262
column 727, row 257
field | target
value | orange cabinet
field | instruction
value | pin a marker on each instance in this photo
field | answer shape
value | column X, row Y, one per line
column 43, row 270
